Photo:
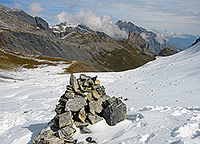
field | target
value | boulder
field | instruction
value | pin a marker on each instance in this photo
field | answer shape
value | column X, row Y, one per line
column 90, row 140
column 74, row 83
column 80, row 83
column 83, row 77
column 85, row 84
column 59, row 109
column 96, row 86
column 69, row 94
column 97, row 82
column 114, row 111
column 85, row 130
column 63, row 119
column 95, row 107
column 76, row 103
column 80, row 124
column 47, row 138
column 95, row 94
column 93, row 119
column 82, row 114
column 90, row 82
column 89, row 96
column 66, row 133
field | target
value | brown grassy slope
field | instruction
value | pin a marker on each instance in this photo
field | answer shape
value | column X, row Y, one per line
column 122, row 59
column 13, row 61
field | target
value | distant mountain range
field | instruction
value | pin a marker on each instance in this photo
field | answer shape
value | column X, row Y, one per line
column 20, row 32
column 180, row 40
column 154, row 43
column 23, row 33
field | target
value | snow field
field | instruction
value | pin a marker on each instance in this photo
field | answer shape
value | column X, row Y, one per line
column 163, row 105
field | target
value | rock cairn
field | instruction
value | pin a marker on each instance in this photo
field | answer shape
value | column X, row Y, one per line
column 84, row 102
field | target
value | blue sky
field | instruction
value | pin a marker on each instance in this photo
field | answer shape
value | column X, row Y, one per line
column 170, row 15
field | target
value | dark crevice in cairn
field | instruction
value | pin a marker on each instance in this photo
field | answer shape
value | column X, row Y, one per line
column 84, row 102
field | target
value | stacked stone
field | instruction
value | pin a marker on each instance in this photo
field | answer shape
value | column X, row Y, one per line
column 84, row 102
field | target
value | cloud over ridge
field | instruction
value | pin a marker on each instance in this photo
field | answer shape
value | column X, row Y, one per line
column 35, row 8
column 90, row 19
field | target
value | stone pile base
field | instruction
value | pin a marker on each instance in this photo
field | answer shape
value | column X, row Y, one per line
column 83, row 103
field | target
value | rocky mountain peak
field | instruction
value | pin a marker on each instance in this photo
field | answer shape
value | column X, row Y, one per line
column 154, row 44
column 41, row 23
column 5, row 9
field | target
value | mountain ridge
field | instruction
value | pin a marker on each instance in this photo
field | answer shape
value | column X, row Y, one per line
column 154, row 43
column 23, row 33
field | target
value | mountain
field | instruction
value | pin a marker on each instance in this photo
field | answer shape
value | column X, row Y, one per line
column 154, row 43
column 15, row 61
column 167, row 52
column 23, row 33
column 180, row 40
column 162, row 99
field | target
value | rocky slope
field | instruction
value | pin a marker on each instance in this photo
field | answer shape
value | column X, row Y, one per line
column 197, row 41
column 154, row 43
column 167, row 52
column 23, row 33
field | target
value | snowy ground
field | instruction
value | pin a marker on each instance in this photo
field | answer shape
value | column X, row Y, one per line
column 163, row 105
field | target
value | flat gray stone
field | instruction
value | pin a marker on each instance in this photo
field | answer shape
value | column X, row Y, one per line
column 66, row 133
column 76, row 103
column 63, row 119
column 95, row 107
column 114, row 112
column 85, row 130
column 80, row 124
column 47, row 138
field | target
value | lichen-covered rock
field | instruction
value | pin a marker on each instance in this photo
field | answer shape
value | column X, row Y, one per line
column 80, row 83
column 90, row 82
column 82, row 114
column 114, row 111
column 66, row 132
column 89, row 96
column 47, row 137
column 76, row 103
column 63, row 119
column 69, row 94
column 59, row 109
column 95, row 107
column 74, row 83
column 80, row 124
column 95, row 94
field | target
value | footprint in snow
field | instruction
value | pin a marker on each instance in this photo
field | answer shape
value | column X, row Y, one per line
column 134, row 117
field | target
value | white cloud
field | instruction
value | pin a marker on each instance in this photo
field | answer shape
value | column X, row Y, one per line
column 90, row 19
column 17, row 5
column 176, row 17
column 35, row 8
column 122, row 6
column 63, row 16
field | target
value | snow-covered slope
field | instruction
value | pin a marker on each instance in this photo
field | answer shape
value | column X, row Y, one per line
column 163, row 105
